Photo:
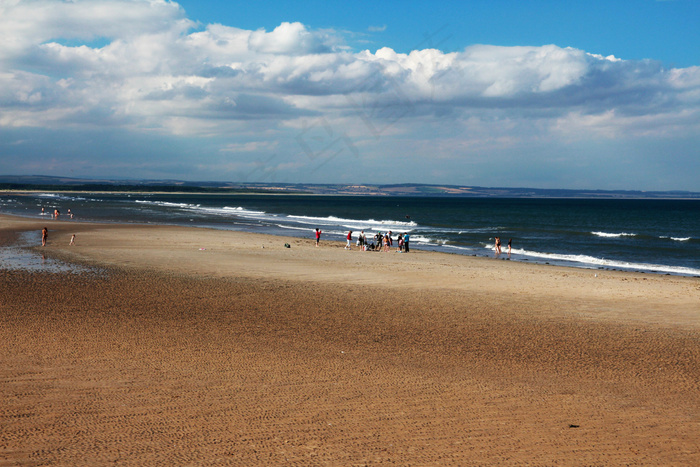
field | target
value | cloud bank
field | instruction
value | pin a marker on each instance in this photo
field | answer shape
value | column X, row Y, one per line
column 142, row 66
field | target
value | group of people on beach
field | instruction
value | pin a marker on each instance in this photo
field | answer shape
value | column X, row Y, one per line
column 384, row 242
column 56, row 213
column 379, row 242
column 45, row 231
column 497, row 248
column 45, row 237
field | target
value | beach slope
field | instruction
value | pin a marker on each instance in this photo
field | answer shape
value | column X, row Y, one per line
column 198, row 346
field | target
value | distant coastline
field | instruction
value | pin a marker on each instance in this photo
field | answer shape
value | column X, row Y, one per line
column 29, row 184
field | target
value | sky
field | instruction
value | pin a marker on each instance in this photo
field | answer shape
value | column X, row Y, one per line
column 543, row 94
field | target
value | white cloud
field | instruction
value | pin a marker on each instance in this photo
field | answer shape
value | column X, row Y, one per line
column 30, row 23
column 377, row 28
column 289, row 39
column 152, row 51
column 250, row 146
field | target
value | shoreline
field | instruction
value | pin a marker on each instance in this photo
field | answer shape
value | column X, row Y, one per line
column 246, row 352
column 561, row 260
column 207, row 252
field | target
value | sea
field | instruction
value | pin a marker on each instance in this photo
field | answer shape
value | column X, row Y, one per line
column 659, row 236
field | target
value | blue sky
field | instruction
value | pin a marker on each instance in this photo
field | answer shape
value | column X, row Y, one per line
column 550, row 94
column 668, row 31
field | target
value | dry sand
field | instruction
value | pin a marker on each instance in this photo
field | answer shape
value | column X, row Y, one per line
column 196, row 346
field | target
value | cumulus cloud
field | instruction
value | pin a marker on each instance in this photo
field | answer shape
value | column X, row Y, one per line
column 31, row 23
column 154, row 54
column 288, row 39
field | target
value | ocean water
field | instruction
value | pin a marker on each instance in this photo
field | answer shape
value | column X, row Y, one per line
column 19, row 256
column 658, row 236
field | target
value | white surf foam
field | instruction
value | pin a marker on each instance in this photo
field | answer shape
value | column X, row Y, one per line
column 428, row 241
column 613, row 235
column 167, row 204
column 355, row 224
column 593, row 262
column 225, row 211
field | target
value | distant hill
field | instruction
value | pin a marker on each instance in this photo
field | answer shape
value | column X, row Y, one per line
column 46, row 183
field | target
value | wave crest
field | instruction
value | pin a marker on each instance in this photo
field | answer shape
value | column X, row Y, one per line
column 613, row 235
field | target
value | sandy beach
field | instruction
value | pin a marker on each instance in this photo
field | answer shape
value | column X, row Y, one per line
column 194, row 346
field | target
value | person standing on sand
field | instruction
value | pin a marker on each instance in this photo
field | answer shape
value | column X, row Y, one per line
column 349, row 238
column 510, row 241
column 406, row 238
column 318, row 236
column 72, row 240
column 497, row 247
column 44, row 236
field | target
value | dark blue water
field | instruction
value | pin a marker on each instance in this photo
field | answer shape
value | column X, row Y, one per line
column 660, row 236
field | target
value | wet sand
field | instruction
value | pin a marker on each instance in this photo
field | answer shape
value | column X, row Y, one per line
column 196, row 346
